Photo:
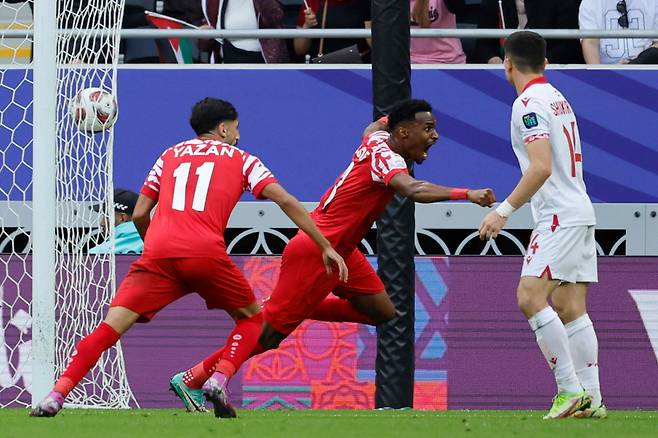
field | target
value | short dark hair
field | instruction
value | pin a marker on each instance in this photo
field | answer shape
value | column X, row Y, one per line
column 210, row 112
column 406, row 110
column 527, row 51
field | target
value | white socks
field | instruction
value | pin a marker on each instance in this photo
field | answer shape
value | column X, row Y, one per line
column 585, row 354
column 554, row 344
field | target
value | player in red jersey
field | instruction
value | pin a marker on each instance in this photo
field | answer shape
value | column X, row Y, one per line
column 345, row 214
column 196, row 184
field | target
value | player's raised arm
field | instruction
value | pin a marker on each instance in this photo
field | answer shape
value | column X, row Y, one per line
column 142, row 214
column 380, row 124
column 426, row 192
column 298, row 214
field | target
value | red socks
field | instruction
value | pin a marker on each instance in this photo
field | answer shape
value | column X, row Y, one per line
column 241, row 344
column 86, row 354
column 339, row 310
column 196, row 376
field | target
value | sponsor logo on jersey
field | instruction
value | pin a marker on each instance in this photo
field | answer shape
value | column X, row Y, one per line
column 530, row 120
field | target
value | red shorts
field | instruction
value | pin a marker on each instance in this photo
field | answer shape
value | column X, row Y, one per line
column 303, row 283
column 152, row 284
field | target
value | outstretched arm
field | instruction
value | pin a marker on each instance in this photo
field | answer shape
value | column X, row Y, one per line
column 298, row 214
column 539, row 170
column 427, row 192
column 142, row 214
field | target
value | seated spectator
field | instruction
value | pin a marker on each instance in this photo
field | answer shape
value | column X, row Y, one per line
column 616, row 15
column 245, row 15
column 561, row 14
column 126, row 238
column 495, row 14
column 436, row 14
column 333, row 14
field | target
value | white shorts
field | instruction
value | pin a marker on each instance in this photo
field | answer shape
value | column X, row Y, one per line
column 566, row 254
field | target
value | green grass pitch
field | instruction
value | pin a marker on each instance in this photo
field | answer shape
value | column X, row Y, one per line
column 162, row 423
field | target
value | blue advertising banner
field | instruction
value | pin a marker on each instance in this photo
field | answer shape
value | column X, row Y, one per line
column 305, row 124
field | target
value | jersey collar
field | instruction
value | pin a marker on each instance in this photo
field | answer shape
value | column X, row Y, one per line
column 539, row 80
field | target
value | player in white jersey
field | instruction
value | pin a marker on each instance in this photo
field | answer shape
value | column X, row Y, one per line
column 561, row 258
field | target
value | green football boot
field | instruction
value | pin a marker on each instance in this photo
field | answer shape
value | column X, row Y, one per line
column 595, row 412
column 566, row 403
column 193, row 399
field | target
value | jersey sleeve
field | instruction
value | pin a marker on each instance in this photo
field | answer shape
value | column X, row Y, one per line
column 256, row 175
column 385, row 164
column 533, row 119
column 151, row 187
column 587, row 16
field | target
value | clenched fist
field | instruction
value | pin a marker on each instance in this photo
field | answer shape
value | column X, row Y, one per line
column 482, row 197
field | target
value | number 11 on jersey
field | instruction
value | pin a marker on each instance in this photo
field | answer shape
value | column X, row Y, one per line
column 181, row 174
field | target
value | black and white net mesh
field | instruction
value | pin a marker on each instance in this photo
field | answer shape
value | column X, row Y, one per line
column 87, row 53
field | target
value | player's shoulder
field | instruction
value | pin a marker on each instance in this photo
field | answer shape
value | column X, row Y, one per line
column 534, row 98
column 376, row 138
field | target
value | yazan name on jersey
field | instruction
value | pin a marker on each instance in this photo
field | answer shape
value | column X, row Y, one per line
column 202, row 150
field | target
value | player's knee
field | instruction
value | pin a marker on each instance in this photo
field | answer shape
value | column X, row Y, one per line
column 245, row 312
column 561, row 308
column 529, row 302
column 568, row 311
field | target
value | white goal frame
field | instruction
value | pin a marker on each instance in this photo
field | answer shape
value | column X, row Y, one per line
column 44, row 198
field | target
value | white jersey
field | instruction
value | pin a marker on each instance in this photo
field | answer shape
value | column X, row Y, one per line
column 542, row 112
column 603, row 15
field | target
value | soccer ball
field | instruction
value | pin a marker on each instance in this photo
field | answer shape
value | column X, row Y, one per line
column 94, row 109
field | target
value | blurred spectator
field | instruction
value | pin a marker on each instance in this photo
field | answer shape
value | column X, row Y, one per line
column 436, row 14
column 561, row 14
column 126, row 237
column 244, row 15
column 138, row 51
column 531, row 14
column 616, row 15
column 648, row 56
column 497, row 14
column 333, row 14
column 186, row 10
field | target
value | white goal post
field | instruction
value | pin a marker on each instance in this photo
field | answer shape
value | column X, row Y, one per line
column 55, row 178
column 44, row 200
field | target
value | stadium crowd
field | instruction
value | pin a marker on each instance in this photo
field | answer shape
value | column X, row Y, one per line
column 484, row 14
column 356, row 14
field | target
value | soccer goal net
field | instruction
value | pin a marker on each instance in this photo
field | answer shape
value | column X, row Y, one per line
column 60, row 178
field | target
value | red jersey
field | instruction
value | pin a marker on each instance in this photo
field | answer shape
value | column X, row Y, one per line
column 360, row 195
column 197, row 184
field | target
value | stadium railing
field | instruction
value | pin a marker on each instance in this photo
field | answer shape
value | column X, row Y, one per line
column 346, row 33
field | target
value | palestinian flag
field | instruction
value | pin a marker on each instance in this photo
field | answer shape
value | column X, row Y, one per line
column 181, row 46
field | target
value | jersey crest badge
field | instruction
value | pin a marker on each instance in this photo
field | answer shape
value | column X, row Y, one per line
column 530, row 120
